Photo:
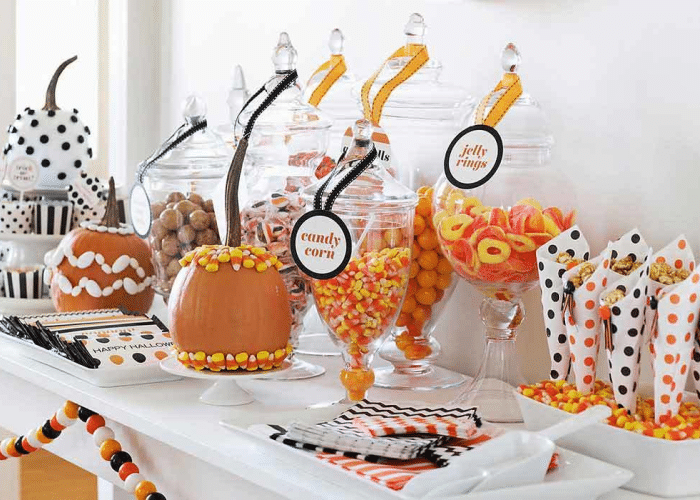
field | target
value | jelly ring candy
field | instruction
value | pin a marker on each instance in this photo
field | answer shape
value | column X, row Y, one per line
column 453, row 227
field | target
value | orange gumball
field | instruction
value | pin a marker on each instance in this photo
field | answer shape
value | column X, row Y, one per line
column 421, row 314
column 415, row 250
column 427, row 278
column 428, row 259
column 426, row 296
column 428, row 239
column 443, row 281
column 425, row 207
column 412, row 287
column 403, row 319
column 444, row 266
column 413, row 270
column 409, row 304
column 419, row 225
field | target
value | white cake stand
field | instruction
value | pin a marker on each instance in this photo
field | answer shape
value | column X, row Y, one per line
column 225, row 391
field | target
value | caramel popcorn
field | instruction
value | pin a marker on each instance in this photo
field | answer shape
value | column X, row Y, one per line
column 666, row 275
column 567, row 260
column 614, row 296
column 584, row 272
column 625, row 265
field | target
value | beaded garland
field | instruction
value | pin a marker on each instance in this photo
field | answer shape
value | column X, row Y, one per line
column 110, row 448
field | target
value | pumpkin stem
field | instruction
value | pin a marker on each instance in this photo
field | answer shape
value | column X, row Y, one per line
column 111, row 217
column 233, row 211
column 51, row 90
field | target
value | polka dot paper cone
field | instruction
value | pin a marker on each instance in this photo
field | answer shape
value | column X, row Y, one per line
column 582, row 321
column 672, row 343
column 16, row 216
column 550, row 273
column 627, row 331
column 695, row 363
column 676, row 254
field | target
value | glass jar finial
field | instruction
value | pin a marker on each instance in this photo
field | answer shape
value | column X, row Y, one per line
column 335, row 42
column 285, row 55
column 362, row 130
column 510, row 58
column 415, row 29
column 194, row 109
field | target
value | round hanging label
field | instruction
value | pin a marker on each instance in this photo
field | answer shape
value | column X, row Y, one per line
column 140, row 210
column 381, row 142
column 473, row 157
column 321, row 244
column 23, row 173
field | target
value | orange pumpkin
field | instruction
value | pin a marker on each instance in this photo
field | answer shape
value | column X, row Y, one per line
column 101, row 265
column 228, row 307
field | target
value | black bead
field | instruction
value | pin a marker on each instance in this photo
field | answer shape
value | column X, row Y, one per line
column 78, row 163
column 20, row 141
column 653, row 303
column 30, row 150
column 89, row 152
column 49, row 431
column 44, row 139
column 61, row 129
column 45, row 163
column 569, row 287
column 84, row 414
column 75, row 111
column 81, row 139
column 30, row 111
column 19, row 448
column 51, row 112
column 74, row 119
column 65, row 146
column 61, row 176
column 34, row 123
column 87, row 130
column 156, row 495
column 119, row 459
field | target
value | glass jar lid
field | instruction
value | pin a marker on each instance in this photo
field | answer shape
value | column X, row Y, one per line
column 193, row 149
column 288, row 114
column 423, row 95
column 524, row 128
column 373, row 189
column 338, row 101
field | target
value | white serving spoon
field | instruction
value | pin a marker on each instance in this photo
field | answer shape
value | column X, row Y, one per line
column 514, row 459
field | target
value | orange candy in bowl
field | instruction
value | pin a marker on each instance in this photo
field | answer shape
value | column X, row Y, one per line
column 492, row 244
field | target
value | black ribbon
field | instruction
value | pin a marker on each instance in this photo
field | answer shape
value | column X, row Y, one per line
column 353, row 174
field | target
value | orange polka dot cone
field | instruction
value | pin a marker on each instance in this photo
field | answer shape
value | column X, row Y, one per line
column 672, row 343
column 676, row 254
column 626, row 318
column 574, row 243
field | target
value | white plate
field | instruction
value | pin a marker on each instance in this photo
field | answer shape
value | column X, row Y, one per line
column 22, row 307
column 663, row 468
column 578, row 477
column 101, row 377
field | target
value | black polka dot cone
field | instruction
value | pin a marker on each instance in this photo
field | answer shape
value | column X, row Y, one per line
column 676, row 254
column 56, row 140
column 582, row 321
column 695, row 363
column 630, row 243
column 672, row 344
column 627, row 325
column 552, row 286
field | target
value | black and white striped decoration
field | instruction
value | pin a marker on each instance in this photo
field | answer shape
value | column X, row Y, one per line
column 23, row 284
column 54, row 218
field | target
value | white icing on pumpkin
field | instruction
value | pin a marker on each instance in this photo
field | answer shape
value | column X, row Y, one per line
column 93, row 288
column 123, row 229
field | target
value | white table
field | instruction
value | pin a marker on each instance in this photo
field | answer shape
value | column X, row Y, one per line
column 178, row 442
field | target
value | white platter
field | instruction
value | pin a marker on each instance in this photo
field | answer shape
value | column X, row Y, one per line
column 22, row 307
column 578, row 477
column 661, row 467
column 100, row 377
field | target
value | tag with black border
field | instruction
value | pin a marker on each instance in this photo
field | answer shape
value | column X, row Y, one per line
column 329, row 253
column 140, row 210
column 473, row 156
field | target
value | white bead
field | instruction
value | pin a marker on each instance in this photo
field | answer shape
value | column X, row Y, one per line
column 3, row 447
column 99, row 258
column 32, row 439
column 63, row 419
column 102, row 434
column 132, row 481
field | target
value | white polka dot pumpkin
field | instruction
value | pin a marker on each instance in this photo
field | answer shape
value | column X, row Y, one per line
column 55, row 140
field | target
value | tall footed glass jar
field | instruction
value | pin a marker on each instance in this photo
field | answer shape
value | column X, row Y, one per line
column 289, row 140
column 359, row 306
column 490, row 233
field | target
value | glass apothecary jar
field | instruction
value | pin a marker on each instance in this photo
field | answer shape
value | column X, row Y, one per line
column 490, row 233
column 360, row 305
column 288, row 141
column 422, row 114
column 180, row 178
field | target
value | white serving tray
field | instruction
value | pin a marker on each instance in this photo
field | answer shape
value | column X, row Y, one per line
column 661, row 467
column 23, row 307
column 578, row 477
column 100, row 377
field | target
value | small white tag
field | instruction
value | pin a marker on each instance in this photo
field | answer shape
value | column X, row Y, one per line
column 381, row 142
column 321, row 244
column 23, row 173
column 140, row 210
column 473, row 157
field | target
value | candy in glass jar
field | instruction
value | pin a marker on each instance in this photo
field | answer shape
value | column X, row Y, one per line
column 288, row 142
column 360, row 304
column 180, row 178
column 490, row 232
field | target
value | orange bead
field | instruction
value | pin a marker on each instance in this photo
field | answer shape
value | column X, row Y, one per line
column 415, row 250
column 143, row 489
column 403, row 319
column 413, row 270
column 71, row 410
column 127, row 469
column 428, row 259
column 419, row 225
column 444, row 266
column 94, row 422
column 409, row 304
column 427, row 278
column 421, row 314
column 109, row 448
column 426, row 296
column 417, row 351
column 428, row 239
column 443, row 281
column 425, row 207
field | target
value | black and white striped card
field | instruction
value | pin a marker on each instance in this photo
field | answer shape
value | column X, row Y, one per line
column 53, row 217
column 23, row 284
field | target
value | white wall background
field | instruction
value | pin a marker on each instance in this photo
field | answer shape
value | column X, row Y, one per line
column 618, row 79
